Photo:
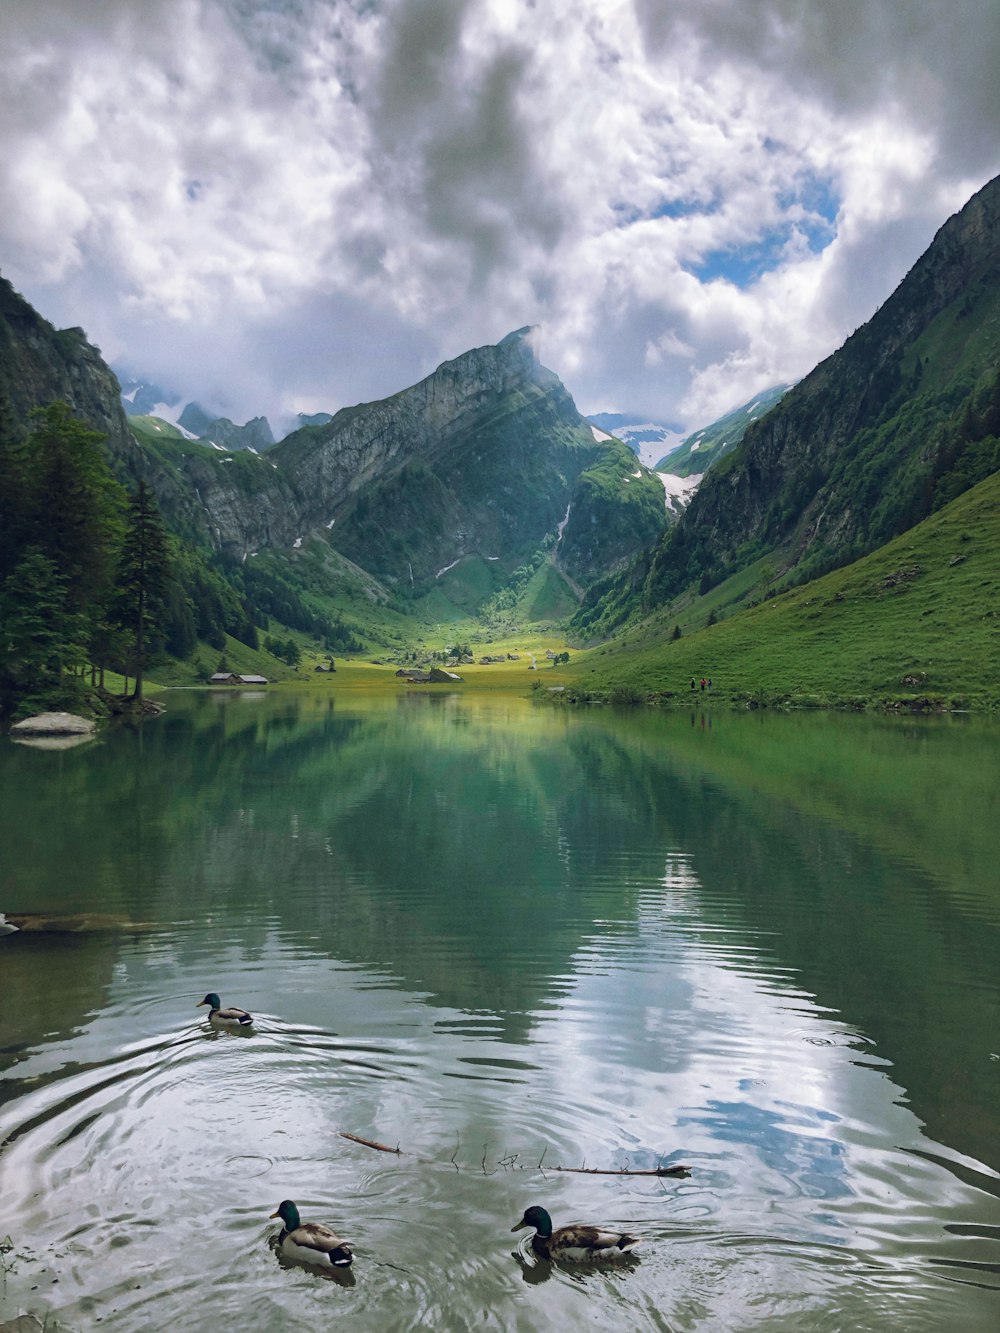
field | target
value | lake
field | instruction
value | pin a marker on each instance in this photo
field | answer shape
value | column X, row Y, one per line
column 505, row 938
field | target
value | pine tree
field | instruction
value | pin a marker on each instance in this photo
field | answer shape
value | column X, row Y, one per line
column 13, row 490
column 41, row 637
column 74, row 504
column 246, row 632
column 143, row 577
column 181, row 635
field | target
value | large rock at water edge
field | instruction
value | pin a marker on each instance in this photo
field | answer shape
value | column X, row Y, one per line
column 54, row 724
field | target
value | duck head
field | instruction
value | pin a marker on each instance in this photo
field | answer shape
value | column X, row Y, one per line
column 288, row 1213
column 538, row 1218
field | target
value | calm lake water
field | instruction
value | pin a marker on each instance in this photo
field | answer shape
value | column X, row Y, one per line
column 505, row 938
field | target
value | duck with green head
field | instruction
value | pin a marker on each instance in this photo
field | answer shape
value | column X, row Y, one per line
column 578, row 1244
column 310, row 1242
column 224, row 1018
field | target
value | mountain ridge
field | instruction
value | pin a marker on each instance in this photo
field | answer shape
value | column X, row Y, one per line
column 479, row 419
column 486, row 457
column 705, row 446
column 862, row 448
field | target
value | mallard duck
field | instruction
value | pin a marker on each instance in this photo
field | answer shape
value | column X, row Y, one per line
column 575, row 1243
column 224, row 1018
column 310, row 1242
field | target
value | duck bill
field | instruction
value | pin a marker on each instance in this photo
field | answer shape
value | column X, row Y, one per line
column 200, row 1004
column 521, row 1225
column 275, row 1213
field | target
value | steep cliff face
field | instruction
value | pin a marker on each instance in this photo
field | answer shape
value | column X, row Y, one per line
column 852, row 454
column 256, row 434
column 243, row 504
column 460, row 401
column 39, row 365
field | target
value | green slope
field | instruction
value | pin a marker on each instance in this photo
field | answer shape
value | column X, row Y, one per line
column 704, row 447
column 155, row 428
column 547, row 598
column 917, row 621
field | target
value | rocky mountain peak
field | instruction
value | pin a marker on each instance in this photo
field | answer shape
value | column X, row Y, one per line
column 256, row 434
column 39, row 364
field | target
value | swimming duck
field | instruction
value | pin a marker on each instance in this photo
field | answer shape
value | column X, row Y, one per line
column 224, row 1018
column 575, row 1243
column 310, row 1242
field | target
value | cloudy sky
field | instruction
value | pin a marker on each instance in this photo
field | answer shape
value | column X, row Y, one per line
column 280, row 205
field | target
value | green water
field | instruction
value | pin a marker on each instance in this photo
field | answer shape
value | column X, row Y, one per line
column 505, row 938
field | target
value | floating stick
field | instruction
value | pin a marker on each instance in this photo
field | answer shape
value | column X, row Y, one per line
column 626, row 1170
column 370, row 1143
column 510, row 1162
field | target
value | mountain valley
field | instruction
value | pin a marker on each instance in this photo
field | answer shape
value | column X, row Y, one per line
column 479, row 501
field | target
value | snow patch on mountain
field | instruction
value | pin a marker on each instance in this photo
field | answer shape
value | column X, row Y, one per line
column 678, row 490
column 649, row 439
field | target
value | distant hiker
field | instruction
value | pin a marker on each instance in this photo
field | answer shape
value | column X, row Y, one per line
column 710, row 682
column 703, row 682
column 692, row 682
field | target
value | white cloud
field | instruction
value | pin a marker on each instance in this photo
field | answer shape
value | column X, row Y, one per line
column 280, row 203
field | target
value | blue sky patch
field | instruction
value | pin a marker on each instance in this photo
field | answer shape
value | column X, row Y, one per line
column 628, row 214
column 813, row 206
column 743, row 264
column 816, row 196
column 681, row 208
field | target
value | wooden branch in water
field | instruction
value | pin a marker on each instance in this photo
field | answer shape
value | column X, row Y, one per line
column 369, row 1143
column 625, row 1171
column 510, row 1161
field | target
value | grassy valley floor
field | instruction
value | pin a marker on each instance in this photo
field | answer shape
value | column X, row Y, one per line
column 914, row 625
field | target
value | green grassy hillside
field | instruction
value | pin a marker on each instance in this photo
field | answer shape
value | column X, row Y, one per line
column 547, row 598
column 916, row 622
column 708, row 445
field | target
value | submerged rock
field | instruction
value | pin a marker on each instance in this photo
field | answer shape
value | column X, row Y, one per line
column 24, row 1323
column 28, row 1323
column 71, row 923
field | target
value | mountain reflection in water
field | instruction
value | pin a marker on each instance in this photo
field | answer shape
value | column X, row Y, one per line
column 505, row 938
